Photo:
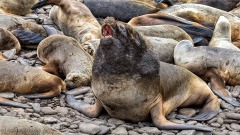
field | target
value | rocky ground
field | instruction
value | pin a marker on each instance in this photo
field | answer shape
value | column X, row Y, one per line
column 56, row 113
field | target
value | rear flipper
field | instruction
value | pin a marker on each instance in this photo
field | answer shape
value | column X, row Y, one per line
column 85, row 108
column 197, row 31
column 28, row 38
column 48, row 94
column 7, row 102
column 160, row 121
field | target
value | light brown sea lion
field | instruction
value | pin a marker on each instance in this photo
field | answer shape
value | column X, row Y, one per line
column 8, row 41
column 219, row 66
column 17, row 7
column 131, row 84
column 65, row 57
column 222, row 35
column 200, row 34
column 15, row 126
column 236, row 10
column 23, row 79
column 225, row 5
column 207, row 16
column 74, row 19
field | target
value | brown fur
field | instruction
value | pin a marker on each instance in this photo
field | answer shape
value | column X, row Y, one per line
column 130, row 83
column 17, row 7
column 64, row 56
column 8, row 41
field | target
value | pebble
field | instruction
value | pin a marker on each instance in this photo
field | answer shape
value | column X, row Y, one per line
column 215, row 125
column 48, row 111
column 36, row 107
column 132, row 133
column 225, row 105
column 120, row 131
column 12, row 113
column 103, row 130
column 187, row 112
column 74, row 126
column 235, row 116
column 192, row 122
column 187, row 132
column 3, row 111
column 8, row 95
column 62, row 110
column 151, row 130
column 49, row 120
column 115, row 121
column 166, row 132
column 89, row 128
column 177, row 121
column 235, row 126
column 220, row 120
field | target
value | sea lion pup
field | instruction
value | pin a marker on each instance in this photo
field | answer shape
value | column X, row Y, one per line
column 15, row 126
column 207, row 16
column 8, row 41
column 198, row 32
column 17, row 7
column 222, row 35
column 65, row 57
column 225, row 5
column 23, row 79
column 131, row 84
column 74, row 19
column 219, row 66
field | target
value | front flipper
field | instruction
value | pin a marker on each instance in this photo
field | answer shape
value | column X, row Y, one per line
column 160, row 121
column 85, row 108
column 228, row 98
column 48, row 94
column 7, row 102
column 28, row 38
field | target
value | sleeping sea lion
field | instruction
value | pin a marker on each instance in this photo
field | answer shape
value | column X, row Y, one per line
column 8, row 41
column 74, row 19
column 222, row 35
column 17, row 7
column 131, row 84
column 65, row 57
column 225, row 5
column 207, row 16
column 23, row 79
column 201, row 35
column 219, row 66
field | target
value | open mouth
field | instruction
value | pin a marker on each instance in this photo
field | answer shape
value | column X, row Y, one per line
column 107, row 31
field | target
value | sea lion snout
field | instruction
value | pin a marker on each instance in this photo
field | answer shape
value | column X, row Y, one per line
column 76, row 79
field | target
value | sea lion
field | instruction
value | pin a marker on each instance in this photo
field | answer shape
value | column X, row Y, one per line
column 222, row 35
column 23, row 79
column 65, row 57
column 131, row 84
column 74, row 19
column 219, row 66
column 200, row 34
column 15, row 126
column 17, row 7
column 8, row 41
column 207, row 16
column 236, row 10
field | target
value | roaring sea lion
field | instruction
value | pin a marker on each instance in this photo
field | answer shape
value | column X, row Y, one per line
column 65, row 57
column 131, row 84
column 207, row 16
column 198, row 32
column 23, row 79
column 8, row 41
column 219, row 66
column 17, row 7
column 222, row 35
column 74, row 19
column 15, row 126
column 225, row 5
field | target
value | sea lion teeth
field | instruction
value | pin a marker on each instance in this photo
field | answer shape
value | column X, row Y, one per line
column 219, row 66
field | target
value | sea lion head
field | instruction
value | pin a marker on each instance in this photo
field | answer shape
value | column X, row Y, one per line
column 123, row 50
column 75, row 79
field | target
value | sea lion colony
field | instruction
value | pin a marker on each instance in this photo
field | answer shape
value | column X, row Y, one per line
column 128, row 62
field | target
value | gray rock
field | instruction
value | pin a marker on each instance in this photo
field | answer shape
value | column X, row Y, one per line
column 49, row 120
column 89, row 128
column 62, row 110
column 215, row 125
column 165, row 132
column 192, row 122
column 23, row 61
column 233, row 133
column 225, row 105
column 115, row 121
column 235, row 116
column 48, row 111
column 133, row 133
column 177, row 121
column 8, row 95
column 203, row 133
column 212, row 120
column 3, row 111
column 219, row 133
column 187, row 112
column 32, row 54
column 120, row 131
column 29, row 110
column 10, row 53
column 151, row 130
column 36, row 107
column 220, row 120
column 74, row 126
column 228, row 121
column 235, row 126
column 187, row 132
column 12, row 113
column 104, row 130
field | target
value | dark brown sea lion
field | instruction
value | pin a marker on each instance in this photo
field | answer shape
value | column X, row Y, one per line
column 222, row 35
column 198, row 32
column 65, row 57
column 207, row 16
column 8, row 41
column 131, row 84
column 17, row 7
column 219, row 66
column 74, row 19
column 225, row 5
column 22, row 79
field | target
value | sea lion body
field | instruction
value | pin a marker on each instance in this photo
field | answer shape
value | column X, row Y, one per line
column 220, row 66
column 65, row 57
column 131, row 84
column 8, row 41
column 17, row 7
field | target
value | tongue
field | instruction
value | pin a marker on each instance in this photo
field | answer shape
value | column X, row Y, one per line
column 107, row 31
